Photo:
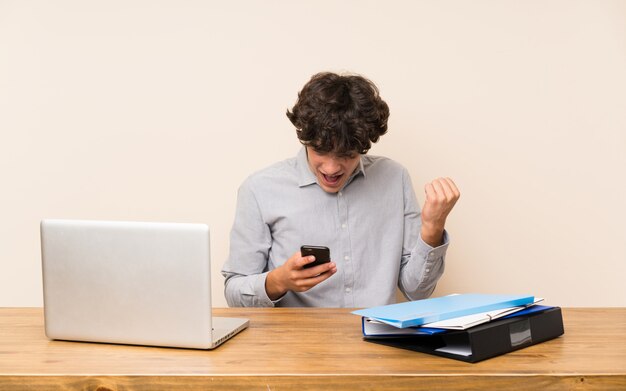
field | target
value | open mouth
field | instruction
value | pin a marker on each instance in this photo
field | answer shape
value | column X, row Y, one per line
column 332, row 179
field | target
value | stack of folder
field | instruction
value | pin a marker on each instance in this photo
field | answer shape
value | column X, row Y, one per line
column 467, row 327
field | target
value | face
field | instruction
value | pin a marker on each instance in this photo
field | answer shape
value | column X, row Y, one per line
column 332, row 171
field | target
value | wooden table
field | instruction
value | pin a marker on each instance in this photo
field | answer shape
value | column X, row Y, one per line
column 313, row 348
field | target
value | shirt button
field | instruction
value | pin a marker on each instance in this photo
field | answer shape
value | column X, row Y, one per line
column 340, row 193
column 348, row 290
column 343, row 226
column 347, row 258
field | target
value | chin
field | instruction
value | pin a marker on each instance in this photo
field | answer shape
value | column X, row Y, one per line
column 331, row 189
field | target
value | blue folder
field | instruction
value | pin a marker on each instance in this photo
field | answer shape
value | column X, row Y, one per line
column 416, row 313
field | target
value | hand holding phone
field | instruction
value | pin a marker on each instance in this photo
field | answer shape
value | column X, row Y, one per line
column 286, row 278
column 321, row 254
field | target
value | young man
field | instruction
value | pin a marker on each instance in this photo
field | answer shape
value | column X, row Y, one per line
column 332, row 194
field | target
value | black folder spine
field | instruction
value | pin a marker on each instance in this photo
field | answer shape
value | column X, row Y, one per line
column 515, row 333
column 490, row 339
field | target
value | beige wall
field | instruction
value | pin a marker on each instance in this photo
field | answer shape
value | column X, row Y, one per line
column 157, row 110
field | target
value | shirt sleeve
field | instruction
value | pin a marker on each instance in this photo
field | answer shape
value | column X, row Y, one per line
column 245, row 270
column 422, row 265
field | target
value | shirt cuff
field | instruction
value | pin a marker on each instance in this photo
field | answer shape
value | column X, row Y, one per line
column 261, row 294
column 432, row 254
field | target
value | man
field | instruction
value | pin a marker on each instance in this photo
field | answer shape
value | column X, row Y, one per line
column 333, row 194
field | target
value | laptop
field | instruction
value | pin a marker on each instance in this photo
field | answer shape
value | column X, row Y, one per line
column 133, row 283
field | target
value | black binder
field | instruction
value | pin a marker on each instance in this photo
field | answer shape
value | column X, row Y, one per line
column 487, row 340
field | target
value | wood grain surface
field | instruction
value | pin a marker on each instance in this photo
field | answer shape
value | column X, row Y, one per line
column 310, row 348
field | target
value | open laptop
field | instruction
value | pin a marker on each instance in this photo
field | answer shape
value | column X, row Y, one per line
column 130, row 283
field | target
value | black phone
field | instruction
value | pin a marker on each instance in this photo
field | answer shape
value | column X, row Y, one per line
column 321, row 254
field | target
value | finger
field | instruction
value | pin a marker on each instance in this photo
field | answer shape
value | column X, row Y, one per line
column 297, row 261
column 303, row 261
column 319, row 269
column 454, row 187
column 439, row 190
column 431, row 193
column 324, row 275
column 447, row 189
column 306, row 279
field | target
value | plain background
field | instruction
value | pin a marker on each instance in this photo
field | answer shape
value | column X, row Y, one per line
column 158, row 110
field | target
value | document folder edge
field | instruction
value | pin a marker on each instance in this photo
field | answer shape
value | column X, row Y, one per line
column 545, row 325
column 382, row 313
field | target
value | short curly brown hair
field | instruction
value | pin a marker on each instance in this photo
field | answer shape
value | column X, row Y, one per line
column 339, row 114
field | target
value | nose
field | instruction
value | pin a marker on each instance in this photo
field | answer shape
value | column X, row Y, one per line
column 331, row 166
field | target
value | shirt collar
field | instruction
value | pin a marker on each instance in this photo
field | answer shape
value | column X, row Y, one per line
column 306, row 177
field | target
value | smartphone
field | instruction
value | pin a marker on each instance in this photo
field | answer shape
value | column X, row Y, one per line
column 321, row 254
